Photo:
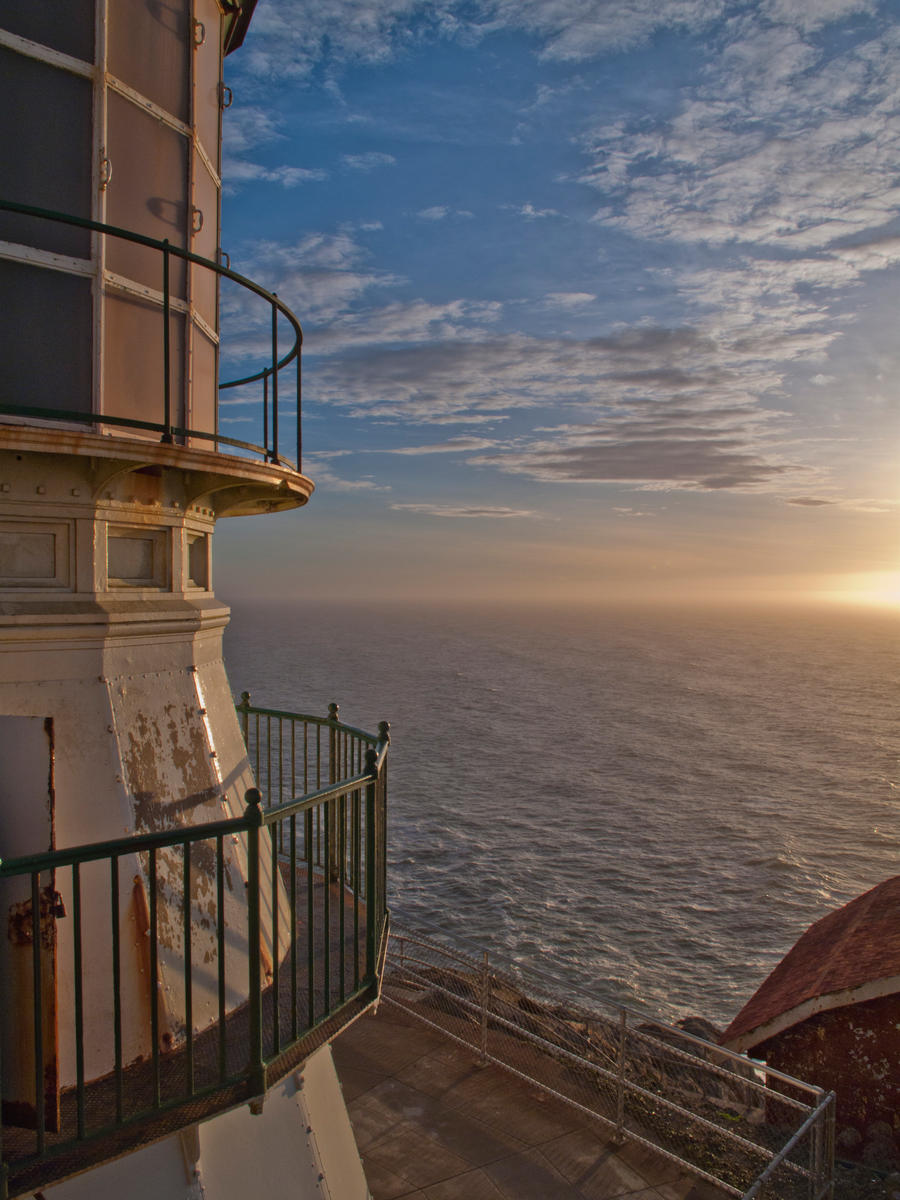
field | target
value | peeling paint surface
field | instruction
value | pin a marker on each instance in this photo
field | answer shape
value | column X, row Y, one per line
column 178, row 777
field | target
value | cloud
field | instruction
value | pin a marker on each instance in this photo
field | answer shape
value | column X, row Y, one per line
column 530, row 213
column 238, row 171
column 465, row 511
column 454, row 445
column 325, row 478
column 568, row 299
column 440, row 212
column 696, row 461
column 247, row 129
column 778, row 144
column 368, row 161
column 808, row 502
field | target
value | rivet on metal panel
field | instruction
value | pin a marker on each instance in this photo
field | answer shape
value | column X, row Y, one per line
column 4, row 487
column 76, row 492
column 41, row 490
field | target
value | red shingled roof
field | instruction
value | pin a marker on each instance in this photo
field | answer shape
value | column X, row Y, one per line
column 852, row 947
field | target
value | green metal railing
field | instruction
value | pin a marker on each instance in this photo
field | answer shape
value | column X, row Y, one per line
column 186, row 970
column 169, row 431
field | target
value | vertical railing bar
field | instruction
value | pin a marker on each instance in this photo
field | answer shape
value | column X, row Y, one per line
column 268, row 762
column 276, row 980
column 371, row 947
column 355, row 877
column 310, row 917
column 326, row 908
column 266, row 413
column 117, row 981
column 305, row 757
column 280, row 781
column 255, row 1067
column 299, row 411
column 256, row 747
column 274, row 379
column 167, row 382
column 38, row 1034
column 188, row 970
column 220, row 950
column 293, row 870
column 154, row 982
column 293, row 757
column 79, row 997
column 342, row 850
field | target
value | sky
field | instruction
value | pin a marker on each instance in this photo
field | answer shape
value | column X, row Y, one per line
column 599, row 298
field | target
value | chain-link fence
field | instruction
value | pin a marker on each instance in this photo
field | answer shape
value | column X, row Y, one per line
column 752, row 1132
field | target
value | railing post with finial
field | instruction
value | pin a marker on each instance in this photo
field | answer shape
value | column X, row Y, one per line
column 334, row 742
column 244, row 709
column 372, row 922
column 384, row 738
column 256, row 1071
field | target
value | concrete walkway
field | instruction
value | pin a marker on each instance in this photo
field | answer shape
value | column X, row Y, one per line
column 432, row 1124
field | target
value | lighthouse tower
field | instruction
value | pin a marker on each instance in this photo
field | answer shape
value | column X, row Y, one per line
column 192, row 897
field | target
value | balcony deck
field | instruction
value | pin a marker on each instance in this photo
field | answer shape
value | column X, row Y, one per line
column 148, row 1101
column 315, row 888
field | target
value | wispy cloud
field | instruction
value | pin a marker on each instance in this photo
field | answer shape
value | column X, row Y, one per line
column 368, row 161
column 568, row 299
column 453, row 445
column 467, row 511
column 246, row 130
column 440, row 212
column 530, row 213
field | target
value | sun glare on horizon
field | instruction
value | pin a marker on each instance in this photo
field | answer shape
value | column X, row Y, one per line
column 870, row 589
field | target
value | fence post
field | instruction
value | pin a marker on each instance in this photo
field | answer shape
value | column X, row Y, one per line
column 485, row 1004
column 620, row 1077
column 830, row 1118
column 256, row 1071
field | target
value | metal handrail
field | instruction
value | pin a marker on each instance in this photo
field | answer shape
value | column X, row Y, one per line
column 628, row 1095
column 269, row 449
column 310, row 959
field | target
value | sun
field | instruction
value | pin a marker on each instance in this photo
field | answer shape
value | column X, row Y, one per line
column 869, row 589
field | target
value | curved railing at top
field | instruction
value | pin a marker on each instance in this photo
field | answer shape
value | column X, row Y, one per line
column 269, row 449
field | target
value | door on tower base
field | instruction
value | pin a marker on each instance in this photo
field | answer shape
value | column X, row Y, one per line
column 29, row 906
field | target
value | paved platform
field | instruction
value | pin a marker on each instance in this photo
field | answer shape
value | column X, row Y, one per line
column 433, row 1124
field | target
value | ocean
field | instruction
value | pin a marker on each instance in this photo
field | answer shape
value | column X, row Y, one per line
column 649, row 806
